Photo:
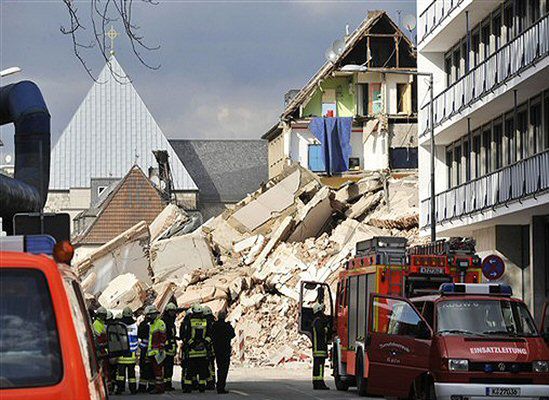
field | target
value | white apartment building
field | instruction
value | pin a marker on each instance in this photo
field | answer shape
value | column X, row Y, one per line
column 491, row 127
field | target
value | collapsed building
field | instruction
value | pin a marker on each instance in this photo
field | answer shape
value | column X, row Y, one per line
column 251, row 259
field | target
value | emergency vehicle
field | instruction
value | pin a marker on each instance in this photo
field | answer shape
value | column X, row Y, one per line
column 382, row 276
column 47, row 349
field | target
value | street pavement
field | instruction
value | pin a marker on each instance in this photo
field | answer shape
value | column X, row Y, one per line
column 260, row 383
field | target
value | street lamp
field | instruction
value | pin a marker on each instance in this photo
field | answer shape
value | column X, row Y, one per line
column 363, row 68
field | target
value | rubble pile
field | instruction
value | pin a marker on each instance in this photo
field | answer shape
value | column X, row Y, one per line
column 251, row 259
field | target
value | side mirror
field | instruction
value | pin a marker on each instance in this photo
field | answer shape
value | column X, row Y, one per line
column 423, row 331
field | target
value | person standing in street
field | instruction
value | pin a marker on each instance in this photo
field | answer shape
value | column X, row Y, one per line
column 321, row 336
column 101, row 342
column 169, row 315
column 156, row 352
column 198, row 349
column 222, row 334
column 208, row 315
column 126, row 363
column 145, row 367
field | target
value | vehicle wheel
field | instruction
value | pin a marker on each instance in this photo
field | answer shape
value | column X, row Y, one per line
column 340, row 385
column 361, row 382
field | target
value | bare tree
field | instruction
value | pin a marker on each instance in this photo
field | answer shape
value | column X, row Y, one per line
column 101, row 15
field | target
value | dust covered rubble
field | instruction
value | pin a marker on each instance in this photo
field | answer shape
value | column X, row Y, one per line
column 250, row 260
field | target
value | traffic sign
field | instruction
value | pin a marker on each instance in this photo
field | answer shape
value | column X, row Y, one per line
column 493, row 267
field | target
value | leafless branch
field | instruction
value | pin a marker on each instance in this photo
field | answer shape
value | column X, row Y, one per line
column 102, row 14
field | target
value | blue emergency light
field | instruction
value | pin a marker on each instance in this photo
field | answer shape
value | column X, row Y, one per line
column 476, row 288
column 35, row 244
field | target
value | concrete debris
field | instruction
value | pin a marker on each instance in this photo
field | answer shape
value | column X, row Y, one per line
column 124, row 291
column 251, row 259
column 172, row 258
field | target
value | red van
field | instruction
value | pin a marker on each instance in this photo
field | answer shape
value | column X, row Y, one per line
column 470, row 341
column 46, row 344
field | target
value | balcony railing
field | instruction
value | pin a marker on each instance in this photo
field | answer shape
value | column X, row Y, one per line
column 527, row 177
column 511, row 59
column 434, row 14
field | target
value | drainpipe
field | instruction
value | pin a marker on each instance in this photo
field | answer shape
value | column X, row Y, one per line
column 467, row 56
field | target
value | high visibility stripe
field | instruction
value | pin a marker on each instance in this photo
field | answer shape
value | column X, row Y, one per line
column 187, row 382
column 320, row 353
column 132, row 380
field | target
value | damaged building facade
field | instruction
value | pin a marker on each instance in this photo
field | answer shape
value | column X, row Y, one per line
column 353, row 114
column 111, row 131
column 491, row 129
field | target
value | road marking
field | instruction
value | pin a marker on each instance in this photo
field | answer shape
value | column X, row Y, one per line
column 239, row 392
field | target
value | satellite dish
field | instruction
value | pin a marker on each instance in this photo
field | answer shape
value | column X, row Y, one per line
column 330, row 55
column 409, row 22
column 338, row 46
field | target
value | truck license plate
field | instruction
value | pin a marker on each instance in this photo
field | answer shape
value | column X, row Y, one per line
column 503, row 391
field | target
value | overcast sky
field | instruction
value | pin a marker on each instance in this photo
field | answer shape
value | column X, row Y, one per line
column 225, row 65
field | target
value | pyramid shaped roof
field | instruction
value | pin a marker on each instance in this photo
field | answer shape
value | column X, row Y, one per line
column 111, row 131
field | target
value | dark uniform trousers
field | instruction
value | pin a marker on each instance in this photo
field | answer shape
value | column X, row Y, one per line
column 168, row 370
column 197, row 366
column 146, row 377
column 223, row 361
column 121, row 377
column 318, row 369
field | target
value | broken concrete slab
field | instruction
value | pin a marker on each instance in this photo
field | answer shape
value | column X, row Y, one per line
column 312, row 217
column 281, row 233
column 246, row 244
column 223, row 234
column 172, row 258
column 167, row 218
column 199, row 295
column 269, row 204
column 164, row 293
column 353, row 190
column 126, row 253
column 217, row 306
column 124, row 291
column 343, row 232
column 364, row 204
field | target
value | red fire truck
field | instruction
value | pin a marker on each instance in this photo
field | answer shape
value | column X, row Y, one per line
column 371, row 298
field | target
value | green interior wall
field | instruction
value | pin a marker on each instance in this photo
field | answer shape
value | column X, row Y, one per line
column 345, row 101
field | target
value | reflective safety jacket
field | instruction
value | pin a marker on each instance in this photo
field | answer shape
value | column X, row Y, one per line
column 131, row 357
column 157, row 337
column 321, row 335
column 101, row 339
column 199, row 344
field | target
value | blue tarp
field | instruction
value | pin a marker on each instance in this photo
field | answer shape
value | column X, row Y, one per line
column 334, row 135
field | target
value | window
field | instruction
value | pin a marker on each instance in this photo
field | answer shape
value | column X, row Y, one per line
column 522, row 134
column 428, row 312
column 535, row 124
column 457, row 63
column 448, row 70
column 546, row 117
column 508, row 20
column 521, row 10
column 510, row 139
column 498, row 142
column 100, row 189
column 394, row 317
column 449, row 167
column 363, row 99
column 475, row 48
column 485, row 39
column 457, row 161
column 487, row 149
column 476, row 152
column 467, row 157
column 534, row 10
column 29, row 342
column 496, row 30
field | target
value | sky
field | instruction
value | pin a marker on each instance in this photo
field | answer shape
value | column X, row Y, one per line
column 224, row 65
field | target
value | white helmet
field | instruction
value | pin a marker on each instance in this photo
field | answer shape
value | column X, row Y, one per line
column 317, row 307
column 207, row 310
column 196, row 309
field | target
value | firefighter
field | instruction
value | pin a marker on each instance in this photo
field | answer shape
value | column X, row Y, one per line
column 210, row 319
column 183, row 335
column 222, row 334
column 198, row 349
column 127, row 362
column 321, row 329
column 112, row 363
column 101, row 342
column 169, row 315
column 156, row 347
column 145, row 367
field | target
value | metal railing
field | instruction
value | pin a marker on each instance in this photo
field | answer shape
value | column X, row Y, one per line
column 508, row 61
column 524, row 178
column 433, row 16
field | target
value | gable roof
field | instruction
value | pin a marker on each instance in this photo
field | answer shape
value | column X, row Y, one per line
column 329, row 67
column 111, row 130
column 224, row 170
column 134, row 199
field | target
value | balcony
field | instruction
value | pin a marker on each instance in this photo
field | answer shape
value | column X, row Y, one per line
column 525, row 178
column 507, row 62
column 435, row 13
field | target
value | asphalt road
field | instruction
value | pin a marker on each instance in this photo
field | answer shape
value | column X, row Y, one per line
column 260, row 383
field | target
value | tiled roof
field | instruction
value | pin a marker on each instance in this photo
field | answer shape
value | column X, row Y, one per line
column 224, row 170
column 111, row 131
column 133, row 200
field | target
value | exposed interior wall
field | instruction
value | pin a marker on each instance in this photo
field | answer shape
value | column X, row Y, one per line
column 187, row 200
column 344, row 99
column 276, row 156
column 375, row 148
column 71, row 202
